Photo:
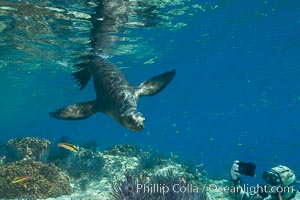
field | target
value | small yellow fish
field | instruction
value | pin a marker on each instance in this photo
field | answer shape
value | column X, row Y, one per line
column 70, row 147
column 21, row 179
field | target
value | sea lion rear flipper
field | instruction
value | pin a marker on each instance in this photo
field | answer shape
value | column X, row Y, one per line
column 155, row 84
column 82, row 76
column 76, row 111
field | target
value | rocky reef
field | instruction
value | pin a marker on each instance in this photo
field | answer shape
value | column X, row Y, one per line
column 27, row 148
column 166, row 187
column 86, row 164
column 127, row 165
column 26, row 157
column 43, row 180
column 53, row 172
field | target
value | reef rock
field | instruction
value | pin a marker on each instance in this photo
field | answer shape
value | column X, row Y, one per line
column 45, row 181
column 27, row 148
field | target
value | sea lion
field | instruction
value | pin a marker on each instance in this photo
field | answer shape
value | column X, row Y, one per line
column 115, row 95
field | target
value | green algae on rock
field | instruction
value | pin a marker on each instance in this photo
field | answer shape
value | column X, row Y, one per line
column 46, row 181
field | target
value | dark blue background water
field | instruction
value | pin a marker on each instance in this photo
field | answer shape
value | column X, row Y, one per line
column 236, row 94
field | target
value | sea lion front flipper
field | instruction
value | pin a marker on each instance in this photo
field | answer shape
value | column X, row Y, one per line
column 155, row 84
column 76, row 111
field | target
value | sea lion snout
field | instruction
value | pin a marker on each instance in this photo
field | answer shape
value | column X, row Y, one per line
column 133, row 120
column 138, row 127
column 139, row 122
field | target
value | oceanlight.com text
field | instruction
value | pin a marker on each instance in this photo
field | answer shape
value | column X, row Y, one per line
column 251, row 189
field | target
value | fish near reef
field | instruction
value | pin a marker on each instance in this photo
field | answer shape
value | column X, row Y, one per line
column 70, row 147
column 21, row 179
column 116, row 97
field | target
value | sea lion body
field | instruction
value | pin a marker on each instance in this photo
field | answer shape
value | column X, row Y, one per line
column 120, row 97
column 115, row 95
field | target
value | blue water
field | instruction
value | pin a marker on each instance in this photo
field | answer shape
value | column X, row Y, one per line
column 236, row 94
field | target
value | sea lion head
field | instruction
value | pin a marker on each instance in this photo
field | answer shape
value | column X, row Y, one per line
column 133, row 120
